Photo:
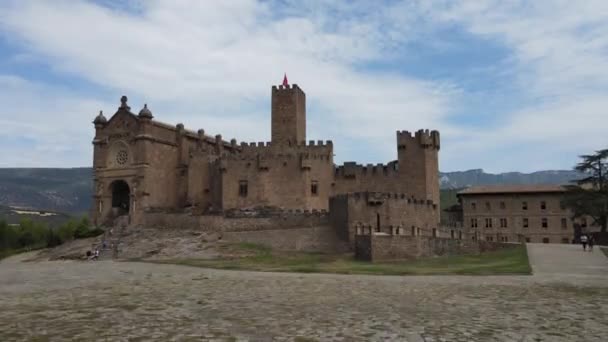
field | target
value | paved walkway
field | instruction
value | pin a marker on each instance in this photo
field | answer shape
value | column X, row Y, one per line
column 125, row 301
column 566, row 261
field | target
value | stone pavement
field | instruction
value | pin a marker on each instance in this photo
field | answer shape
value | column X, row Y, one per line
column 123, row 301
column 554, row 261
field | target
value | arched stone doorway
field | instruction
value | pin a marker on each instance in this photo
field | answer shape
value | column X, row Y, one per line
column 121, row 196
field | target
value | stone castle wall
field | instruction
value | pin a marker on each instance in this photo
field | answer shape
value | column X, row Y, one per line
column 280, row 175
column 237, row 223
column 382, row 247
column 390, row 213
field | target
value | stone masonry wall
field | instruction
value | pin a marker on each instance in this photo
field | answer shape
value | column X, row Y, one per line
column 279, row 175
column 390, row 213
column 311, row 239
column 236, row 224
column 382, row 247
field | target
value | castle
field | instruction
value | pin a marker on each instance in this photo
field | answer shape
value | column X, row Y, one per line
column 143, row 166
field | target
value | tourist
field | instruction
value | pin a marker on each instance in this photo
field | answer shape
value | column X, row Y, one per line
column 96, row 254
column 591, row 242
column 584, row 241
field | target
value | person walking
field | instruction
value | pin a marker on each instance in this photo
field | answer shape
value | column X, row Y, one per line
column 584, row 241
column 591, row 242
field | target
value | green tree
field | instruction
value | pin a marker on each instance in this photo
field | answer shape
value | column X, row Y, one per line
column 52, row 239
column 589, row 197
column 66, row 230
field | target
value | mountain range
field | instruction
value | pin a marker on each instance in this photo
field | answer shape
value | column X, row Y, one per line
column 70, row 190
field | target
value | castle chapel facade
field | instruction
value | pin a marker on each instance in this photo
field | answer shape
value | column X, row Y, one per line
column 143, row 165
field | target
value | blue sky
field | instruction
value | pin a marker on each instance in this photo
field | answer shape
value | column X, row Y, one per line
column 511, row 85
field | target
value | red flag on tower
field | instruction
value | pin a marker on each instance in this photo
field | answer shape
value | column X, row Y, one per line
column 285, row 82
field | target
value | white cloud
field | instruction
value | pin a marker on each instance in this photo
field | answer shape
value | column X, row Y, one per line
column 211, row 64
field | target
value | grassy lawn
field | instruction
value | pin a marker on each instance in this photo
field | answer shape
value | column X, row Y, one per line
column 508, row 261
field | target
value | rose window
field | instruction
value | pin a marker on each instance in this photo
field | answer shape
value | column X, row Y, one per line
column 122, row 157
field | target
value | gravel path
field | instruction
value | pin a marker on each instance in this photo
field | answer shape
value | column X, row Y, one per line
column 123, row 301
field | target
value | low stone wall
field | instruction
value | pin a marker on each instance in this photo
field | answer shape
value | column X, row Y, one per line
column 312, row 239
column 399, row 247
column 234, row 224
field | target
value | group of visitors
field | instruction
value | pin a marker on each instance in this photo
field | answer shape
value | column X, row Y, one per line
column 587, row 241
column 93, row 255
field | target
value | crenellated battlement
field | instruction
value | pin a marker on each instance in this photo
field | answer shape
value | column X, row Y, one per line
column 285, row 87
column 372, row 197
column 422, row 138
column 352, row 170
column 311, row 146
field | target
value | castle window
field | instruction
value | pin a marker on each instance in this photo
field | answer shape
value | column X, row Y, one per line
column 122, row 157
column 489, row 223
column 243, row 189
column 488, row 207
column 524, row 205
column 314, row 188
column 503, row 223
column 527, row 239
column 502, row 205
column 525, row 223
column 544, row 222
column 543, row 205
column 473, row 223
column 546, row 240
column 473, row 206
column 564, row 223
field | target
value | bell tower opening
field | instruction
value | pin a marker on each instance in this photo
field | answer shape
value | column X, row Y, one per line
column 121, row 196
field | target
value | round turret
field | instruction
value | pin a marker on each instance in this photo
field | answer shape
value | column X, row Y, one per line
column 100, row 119
column 145, row 112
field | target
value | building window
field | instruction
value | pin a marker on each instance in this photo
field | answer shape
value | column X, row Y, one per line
column 503, row 223
column 564, row 223
column 524, row 205
column 489, row 238
column 473, row 223
column 413, row 231
column 502, row 205
column 243, row 188
column 473, row 206
column 488, row 223
column 545, row 240
column 314, row 188
column 488, row 206
column 543, row 205
column 525, row 223
column 544, row 222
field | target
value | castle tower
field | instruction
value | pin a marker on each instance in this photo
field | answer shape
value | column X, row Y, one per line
column 288, row 114
column 419, row 164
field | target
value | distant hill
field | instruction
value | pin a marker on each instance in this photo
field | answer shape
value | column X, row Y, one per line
column 15, row 215
column 62, row 190
column 462, row 179
column 70, row 190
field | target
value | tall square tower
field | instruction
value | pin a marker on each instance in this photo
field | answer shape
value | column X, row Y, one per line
column 288, row 114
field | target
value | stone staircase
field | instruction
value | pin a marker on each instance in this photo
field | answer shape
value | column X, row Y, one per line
column 112, row 238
